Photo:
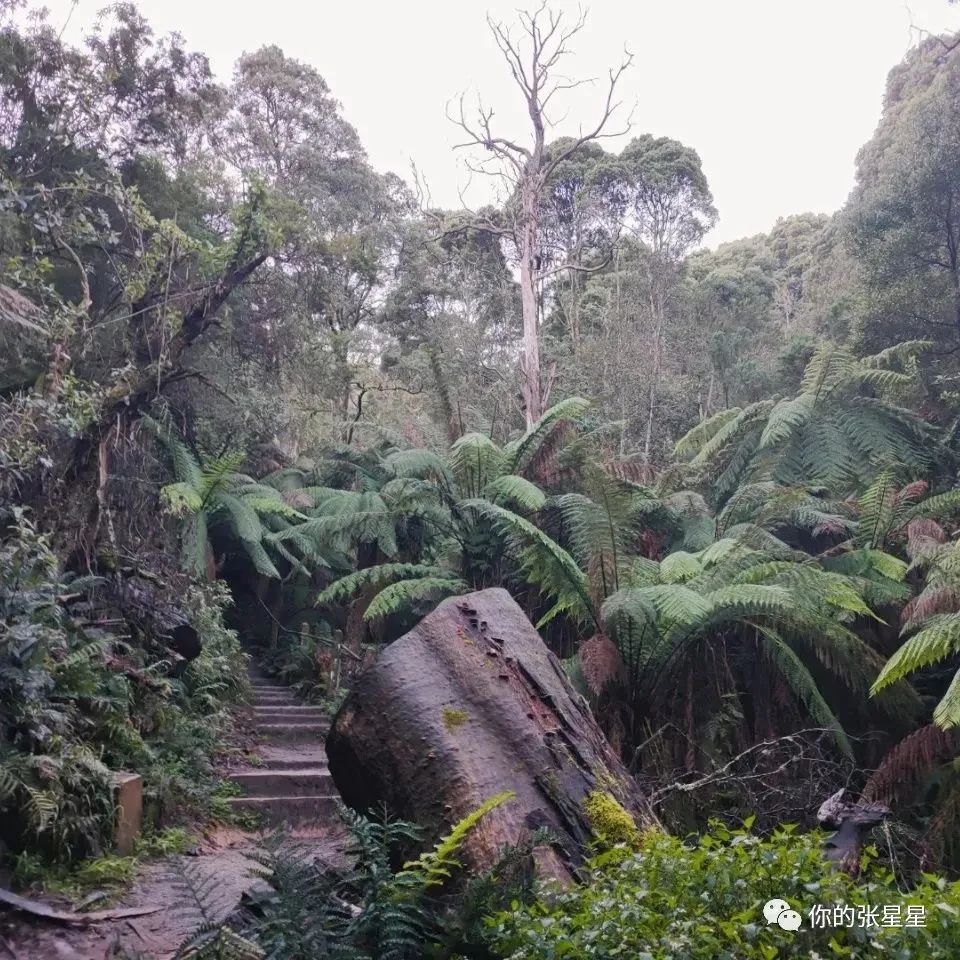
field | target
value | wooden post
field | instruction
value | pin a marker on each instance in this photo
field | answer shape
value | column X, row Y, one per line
column 129, row 805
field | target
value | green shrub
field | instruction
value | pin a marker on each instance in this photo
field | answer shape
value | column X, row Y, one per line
column 703, row 900
column 78, row 701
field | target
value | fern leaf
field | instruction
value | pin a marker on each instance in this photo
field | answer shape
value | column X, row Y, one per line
column 400, row 595
column 908, row 763
column 516, row 490
column 804, row 687
column 939, row 638
column 785, row 418
column 349, row 586
column 521, row 453
column 694, row 439
column 433, row 867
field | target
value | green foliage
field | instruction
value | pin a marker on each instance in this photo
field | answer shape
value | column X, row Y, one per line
column 79, row 702
column 201, row 903
column 211, row 492
column 469, row 515
column 368, row 911
column 844, row 427
column 435, row 867
column 931, row 620
column 703, row 899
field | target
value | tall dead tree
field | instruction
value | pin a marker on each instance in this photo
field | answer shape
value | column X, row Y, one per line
column 533, row 58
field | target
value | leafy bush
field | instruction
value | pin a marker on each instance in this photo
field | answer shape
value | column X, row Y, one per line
column 54, row 787
column 78, row 701
column 668, row 899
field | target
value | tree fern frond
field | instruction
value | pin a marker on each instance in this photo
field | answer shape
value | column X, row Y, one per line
column 401, row 595
column 946, row 714
column 679, row 567
column 908, row 763
column 693, row 440
column 186, row 466
column 731, row 430
column 476, row 461
column 349, row 586
column 899, row 352
column 939, row 638
column 547, row 564
column 516, row 490
column 599, row 661
column 803, row 685
column 929, row 602
column 788, row 415
column 878, row 510
column 218, row 474
column 422, row 464
column 521, row 453
column 941, row 505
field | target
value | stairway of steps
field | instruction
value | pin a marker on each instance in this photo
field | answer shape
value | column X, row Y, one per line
column 292, row 784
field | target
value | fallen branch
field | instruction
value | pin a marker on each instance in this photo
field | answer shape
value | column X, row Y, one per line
column 37, row 909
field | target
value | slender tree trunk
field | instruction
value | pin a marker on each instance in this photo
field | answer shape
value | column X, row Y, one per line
column 656, row 309
column 530, row 362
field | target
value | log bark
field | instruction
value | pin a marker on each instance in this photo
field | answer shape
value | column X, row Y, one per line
column 147, row 611
column 467, row 705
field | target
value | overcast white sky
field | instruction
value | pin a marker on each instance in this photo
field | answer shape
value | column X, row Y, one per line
column 776, row 95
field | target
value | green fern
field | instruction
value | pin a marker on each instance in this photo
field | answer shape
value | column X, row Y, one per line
column 436, row 866
column 401, row 596
column 832, row 432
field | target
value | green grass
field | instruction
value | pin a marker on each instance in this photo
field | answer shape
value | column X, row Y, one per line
column 109, row 872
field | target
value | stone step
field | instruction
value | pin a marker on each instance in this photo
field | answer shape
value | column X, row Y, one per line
column 276, row 699
column 292, row 757
column 293, row 810
column 293, row 732
column 308, row 782
column 273, row 713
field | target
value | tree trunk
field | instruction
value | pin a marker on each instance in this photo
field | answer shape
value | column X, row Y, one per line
column 530, row 362
column 657, row 313
column 467, row 705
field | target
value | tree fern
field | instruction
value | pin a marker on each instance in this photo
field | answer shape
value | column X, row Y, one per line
column 842, row 428
column 938, row 639
column 476, row 461
column 522, row 454
column 210, row 493
column 694, row 440
column 400, row 596
column 547, row 564
column 383, row 573
column 517, row 491
column 803, row 685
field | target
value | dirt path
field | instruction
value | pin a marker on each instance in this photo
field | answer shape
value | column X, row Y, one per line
column 289, row 785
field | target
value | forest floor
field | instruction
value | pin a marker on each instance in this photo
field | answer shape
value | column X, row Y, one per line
column 287, row 783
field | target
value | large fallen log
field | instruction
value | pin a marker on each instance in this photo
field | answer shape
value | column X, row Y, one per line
column 468, row 704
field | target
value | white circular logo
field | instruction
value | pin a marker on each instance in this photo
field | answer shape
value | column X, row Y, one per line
column 779, row 911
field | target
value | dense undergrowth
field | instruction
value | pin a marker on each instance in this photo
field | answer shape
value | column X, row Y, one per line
column 703, row 899
column 79, row 700
column 652, row 896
